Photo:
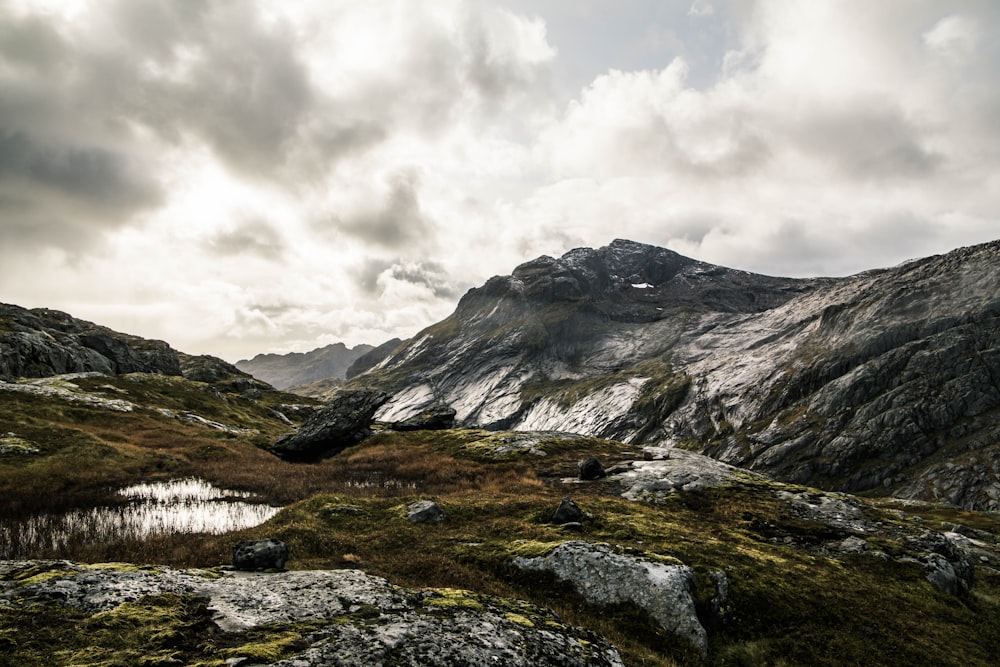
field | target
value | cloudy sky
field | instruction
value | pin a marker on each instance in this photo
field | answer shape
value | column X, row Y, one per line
column 240, row 176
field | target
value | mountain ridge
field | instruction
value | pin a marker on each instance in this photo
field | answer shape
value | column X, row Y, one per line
column 301, row 368
column 638, row 343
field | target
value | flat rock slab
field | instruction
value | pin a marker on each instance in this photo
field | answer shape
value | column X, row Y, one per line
column 673, row 470
column 370, row 621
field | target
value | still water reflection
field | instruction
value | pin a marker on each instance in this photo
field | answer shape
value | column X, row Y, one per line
column 179, row 506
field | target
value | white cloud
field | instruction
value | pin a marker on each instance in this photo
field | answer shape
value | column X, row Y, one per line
column 954, row 37
column 701, row 8
column 238, row 177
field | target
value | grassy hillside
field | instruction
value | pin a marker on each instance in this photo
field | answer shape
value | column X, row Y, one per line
column 791, row 602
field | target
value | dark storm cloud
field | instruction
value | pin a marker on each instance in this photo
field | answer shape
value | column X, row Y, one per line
column 867, row 142
column 393, row 223
column 58, row 195
column 215, row 71
column 30, row 42
column 252, row 237
column 95, row 177
column 428, row 274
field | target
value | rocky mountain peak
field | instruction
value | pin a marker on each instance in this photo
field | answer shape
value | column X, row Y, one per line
column 883, row 380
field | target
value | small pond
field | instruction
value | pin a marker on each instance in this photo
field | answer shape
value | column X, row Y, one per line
column 178, row 506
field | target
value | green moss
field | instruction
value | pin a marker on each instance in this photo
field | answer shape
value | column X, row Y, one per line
column 269, row 648
column 156, row 630
column 519, row 619
column 532, row 548
column 452, row 598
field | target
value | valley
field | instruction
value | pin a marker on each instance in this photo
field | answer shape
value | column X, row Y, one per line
column 788, row 472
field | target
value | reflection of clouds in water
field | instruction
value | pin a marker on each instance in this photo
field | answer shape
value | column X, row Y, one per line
column 189, row 488
column 178, row 506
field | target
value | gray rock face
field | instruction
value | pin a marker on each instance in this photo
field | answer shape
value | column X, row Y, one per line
column 425, row 511
column 344, row 421
column 258, row 555
column 436, row 417
column 603, row 577
column 876, row 381
column 42, row 343
column 360, row 619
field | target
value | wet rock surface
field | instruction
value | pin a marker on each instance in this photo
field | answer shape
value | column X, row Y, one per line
column 358, row 619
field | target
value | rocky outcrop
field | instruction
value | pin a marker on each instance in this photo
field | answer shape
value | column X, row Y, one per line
column 302, row 368
column 344, row 421
column 604, row 577
column 43, row 342
column 568, row 512
column 591, row 469
column 434, row 418
column 669, row 470
column 355, row 618
column 885, row 381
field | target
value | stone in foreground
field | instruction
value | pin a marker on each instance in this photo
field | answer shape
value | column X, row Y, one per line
column 355, row 618
column 603, row 577
column 425, row 511
column 259, row 555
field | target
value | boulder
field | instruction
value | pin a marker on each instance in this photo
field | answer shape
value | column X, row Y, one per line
column 568, row 512
column 344, row 421
column 434, row 418
column 425, row 511
column 259, row 555
column 603, row 577
column 591, row 469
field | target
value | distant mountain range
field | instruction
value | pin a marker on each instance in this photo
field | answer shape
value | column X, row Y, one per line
column 303, row 368
column 886, row 381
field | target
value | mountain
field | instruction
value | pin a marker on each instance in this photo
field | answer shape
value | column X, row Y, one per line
column 42, row 342
column 663, row 557
column 372, row 358
column 301, row 368
column 887, row 381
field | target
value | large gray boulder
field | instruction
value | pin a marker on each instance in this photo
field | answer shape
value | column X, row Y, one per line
column 356, row 619
column 604, row 577
column 344, row 421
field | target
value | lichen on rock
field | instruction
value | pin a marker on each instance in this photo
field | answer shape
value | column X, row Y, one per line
column 604, row 577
